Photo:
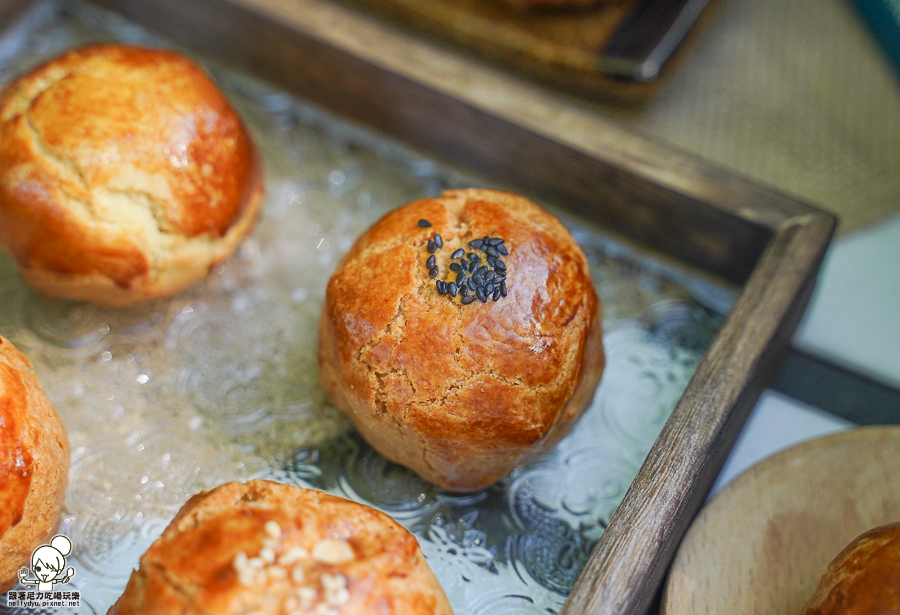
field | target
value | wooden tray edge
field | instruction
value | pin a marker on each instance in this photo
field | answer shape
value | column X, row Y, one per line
column 629, row 564
column 10, row 11
column 475, row 117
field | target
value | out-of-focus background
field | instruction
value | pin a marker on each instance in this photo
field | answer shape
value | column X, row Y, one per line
column 802, row 96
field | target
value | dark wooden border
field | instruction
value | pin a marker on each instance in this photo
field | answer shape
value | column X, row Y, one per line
column 513, row 132
column 9, row 10
column 841, row 390
column 630, row 561
column 478, row 118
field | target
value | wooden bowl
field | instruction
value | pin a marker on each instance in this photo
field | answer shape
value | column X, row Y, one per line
column 761, row 545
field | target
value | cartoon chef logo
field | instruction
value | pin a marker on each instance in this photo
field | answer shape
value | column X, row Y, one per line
column 48, row 564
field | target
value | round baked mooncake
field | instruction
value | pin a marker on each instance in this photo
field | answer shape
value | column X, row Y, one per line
column 34, row 464
column 864, row 578
column 462, row 386
column 125, row 175
column 267, row 548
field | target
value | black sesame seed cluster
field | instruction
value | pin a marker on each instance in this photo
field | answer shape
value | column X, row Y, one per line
column 476, row 275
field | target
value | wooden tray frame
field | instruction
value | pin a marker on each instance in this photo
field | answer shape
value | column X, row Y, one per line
column 510, row 131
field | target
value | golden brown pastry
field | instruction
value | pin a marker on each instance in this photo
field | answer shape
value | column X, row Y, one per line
column 267, row 548
column 462, row 389
column 864, row 579
column 34, row 464
column 124, row 175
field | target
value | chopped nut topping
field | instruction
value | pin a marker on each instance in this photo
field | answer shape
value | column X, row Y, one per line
column 307, row 597
column 331, row 551
column 246, row 579
column 292, row 556
column 246, row 575
column 297, row 574
column 256, row 563
column 255, row 571
column 273, row 529
column 335, row 586
column 240, row 561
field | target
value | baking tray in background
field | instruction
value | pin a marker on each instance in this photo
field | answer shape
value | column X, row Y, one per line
column 615, row 50
column 222, row 379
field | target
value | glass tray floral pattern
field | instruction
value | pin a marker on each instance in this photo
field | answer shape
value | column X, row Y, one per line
column 219, row 383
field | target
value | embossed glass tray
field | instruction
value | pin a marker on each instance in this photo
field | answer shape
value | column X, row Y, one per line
column 219, row 383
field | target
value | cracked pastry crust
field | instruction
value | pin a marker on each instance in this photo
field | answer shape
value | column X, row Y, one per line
column 34, row 464
column 461, row 394
column 267, row 548
column 125, row 175
column 864, row 579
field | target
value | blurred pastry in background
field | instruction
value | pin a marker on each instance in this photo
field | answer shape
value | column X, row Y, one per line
column 864, row 579
column 34, row 464
column 125, row 175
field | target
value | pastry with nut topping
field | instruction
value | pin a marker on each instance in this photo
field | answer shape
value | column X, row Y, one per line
column 125, row 175
column 268, row 548
column 462, row 335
